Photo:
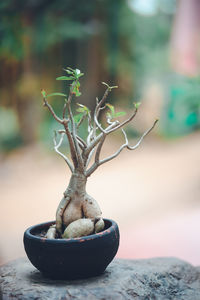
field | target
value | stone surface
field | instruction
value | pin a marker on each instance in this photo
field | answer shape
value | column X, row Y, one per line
column 158, row 278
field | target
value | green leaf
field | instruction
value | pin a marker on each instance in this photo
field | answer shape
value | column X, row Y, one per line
column 79, row 75
column 137, row 104
column 69, row 68
column 113, row 114
column 68, row 71
column 43, row 92
column 112, row 109
column 82, row 108
column 56, row 94
column 77, row 93
column 75, row 88
column 109, row 115
column 78, row 117
column 120, row 114
column 65, row 78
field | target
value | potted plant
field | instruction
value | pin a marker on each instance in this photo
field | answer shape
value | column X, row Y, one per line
column 79, row 243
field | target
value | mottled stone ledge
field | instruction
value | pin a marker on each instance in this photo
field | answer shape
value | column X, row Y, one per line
column 157, row 278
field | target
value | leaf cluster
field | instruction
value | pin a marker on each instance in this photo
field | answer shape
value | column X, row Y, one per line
column 73, row 75
column 112, row 114
column 83, row 111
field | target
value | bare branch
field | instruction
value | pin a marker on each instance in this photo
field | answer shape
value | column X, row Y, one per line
column 81, row 121
column 116, row 153
column 77, row 149
column 98, row 124
column 103, row 99
column 64, row 109
column 45, row 103
column 142, row 137
column 71, row 142
column 80, row 140
column 57, row 146
column 61, row 131
column 97, row 155
column 91, row 130
column 89, row 158
column 98, row 138
column 64, row 122
column 98, row 162
column 99, row 107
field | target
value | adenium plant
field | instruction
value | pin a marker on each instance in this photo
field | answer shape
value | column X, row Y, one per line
column 78, row 214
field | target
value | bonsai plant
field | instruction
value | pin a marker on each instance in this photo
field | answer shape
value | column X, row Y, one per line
column 78, row 216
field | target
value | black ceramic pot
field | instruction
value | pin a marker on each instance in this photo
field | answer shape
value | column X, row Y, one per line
column 72, row 258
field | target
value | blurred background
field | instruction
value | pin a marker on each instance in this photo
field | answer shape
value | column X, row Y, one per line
column 150, row 49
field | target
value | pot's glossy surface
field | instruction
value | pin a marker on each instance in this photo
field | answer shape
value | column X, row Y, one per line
column 72, row 258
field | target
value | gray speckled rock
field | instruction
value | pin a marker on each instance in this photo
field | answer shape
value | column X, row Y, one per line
column 158, row 278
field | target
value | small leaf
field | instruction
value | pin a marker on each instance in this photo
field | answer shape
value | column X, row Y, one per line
column 112, row 109
column 80, row 109
column 105, row 84
column 110, row 87
column 56, row 94
column 77, row 71
column 43, row 92
column 77, row 93
column 109, row 115
column 79, row 75
column 69, row 68
column 120, row 114
column 81, row 105
column 75, row 88
column 68, row 71
column 78, row 117
column 65, row 78
column 137, row 104
column 83, row 108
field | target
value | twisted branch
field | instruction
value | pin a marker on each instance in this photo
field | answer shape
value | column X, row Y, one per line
column 57, row 146
column 98, row 162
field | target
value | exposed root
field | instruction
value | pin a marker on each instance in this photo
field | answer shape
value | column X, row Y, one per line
column 91, row 208
column 78, row 228
column 72, row 212
column 78, row 214
column 99, row 225
column 59, row 213
column 51, row 233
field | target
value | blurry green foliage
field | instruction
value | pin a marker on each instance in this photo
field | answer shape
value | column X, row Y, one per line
column 106, row 39
column 9, row 130
column 182, row 109
column 47, row 22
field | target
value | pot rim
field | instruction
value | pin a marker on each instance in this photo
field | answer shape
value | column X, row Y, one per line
column 113, row 227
